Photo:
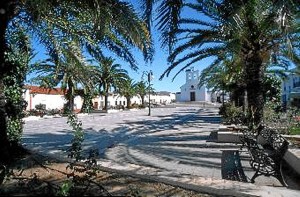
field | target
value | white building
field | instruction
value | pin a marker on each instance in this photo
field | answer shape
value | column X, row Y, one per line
column 190, row 91
column 162, row 97
column 54, row 99
column 290, row 91
column 114, row 100
column 50, row 98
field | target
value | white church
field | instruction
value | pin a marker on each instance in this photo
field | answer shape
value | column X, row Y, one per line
column 190, row 91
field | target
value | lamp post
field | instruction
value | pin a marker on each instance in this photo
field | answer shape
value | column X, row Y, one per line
column 149, row 87
column 149, row 77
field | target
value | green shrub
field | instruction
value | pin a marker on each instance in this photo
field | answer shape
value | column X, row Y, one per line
column 294, row 130
column 232, row 114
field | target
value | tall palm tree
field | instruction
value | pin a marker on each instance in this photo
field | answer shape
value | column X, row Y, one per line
column 254, row 30
column 142, row 90
column 68, row 73
column 109, row 75
column 95, row 24
column 128, row 90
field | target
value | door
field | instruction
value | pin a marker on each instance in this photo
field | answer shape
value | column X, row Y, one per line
column 193, row 96
column 95, row 105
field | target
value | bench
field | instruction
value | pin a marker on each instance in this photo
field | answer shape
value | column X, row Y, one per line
column 266, row 148
column 231, row 167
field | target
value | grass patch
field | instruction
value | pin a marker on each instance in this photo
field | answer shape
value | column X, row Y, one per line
column 294, row 131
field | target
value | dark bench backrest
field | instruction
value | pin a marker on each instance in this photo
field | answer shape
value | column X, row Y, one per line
column 274, row 140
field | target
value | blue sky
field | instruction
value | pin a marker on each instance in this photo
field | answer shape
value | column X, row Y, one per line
column 158, row 66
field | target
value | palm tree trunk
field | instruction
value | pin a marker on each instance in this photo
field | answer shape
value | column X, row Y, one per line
column 128, row 103
column 143, row 100
column 254, row 80
column 105, row 101
column 245, row 103
column 70, row 96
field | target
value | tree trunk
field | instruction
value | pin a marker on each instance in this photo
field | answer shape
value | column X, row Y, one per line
column 245, row 105
column 143, row 100
column 128, row 102
column 105, row 101
column 70, row 96
column 254, row 82
column 105, row 97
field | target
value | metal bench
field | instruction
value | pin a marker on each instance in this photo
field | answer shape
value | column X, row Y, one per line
column 266, row 150
column 231, row 166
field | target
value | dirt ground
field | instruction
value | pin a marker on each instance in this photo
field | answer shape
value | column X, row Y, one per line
column 37, row 175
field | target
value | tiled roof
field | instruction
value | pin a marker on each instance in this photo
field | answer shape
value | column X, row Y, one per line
column 41, row 90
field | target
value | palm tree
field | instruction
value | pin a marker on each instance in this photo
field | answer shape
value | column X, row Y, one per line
column 109, row 75
column 225, row 76
column 142, row 90
column 95, row 25
column 128, row 90
column 255, row 31
column 68, row 73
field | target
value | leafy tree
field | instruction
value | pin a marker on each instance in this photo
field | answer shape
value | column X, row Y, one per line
column 20, row 54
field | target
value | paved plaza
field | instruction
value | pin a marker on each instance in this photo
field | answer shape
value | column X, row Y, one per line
column 173, row 145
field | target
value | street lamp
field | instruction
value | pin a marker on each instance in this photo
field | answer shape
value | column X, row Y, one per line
column 149, row 77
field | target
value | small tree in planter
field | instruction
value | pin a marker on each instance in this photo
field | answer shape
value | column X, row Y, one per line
column 41, row 108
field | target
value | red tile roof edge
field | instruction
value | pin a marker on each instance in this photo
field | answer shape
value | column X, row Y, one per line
column 42, row 90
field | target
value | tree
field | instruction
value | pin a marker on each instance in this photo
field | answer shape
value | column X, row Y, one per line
column 109, row 75
column 21, row 55
column 95, row 25
column 254, row 30
column 128, row 90
column 142, row 90
column 226, row 76
column 68, row 72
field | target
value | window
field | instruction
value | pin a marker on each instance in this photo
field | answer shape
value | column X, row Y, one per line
column 116, row 102
column 192, row 86
column 124, row 103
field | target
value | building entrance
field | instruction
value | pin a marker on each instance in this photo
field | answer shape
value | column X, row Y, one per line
column 193, row 96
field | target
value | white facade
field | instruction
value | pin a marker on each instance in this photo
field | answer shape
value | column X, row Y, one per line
column 54, row 99
column 290, row 90
column 117, row 100
column 190, row 91
column 162, row 97
column 114, row 100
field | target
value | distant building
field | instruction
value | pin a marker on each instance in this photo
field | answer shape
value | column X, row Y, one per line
column 55, row 99
column 162, row 97
column 290, row 89
column 190, row 91
column 50, row 98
